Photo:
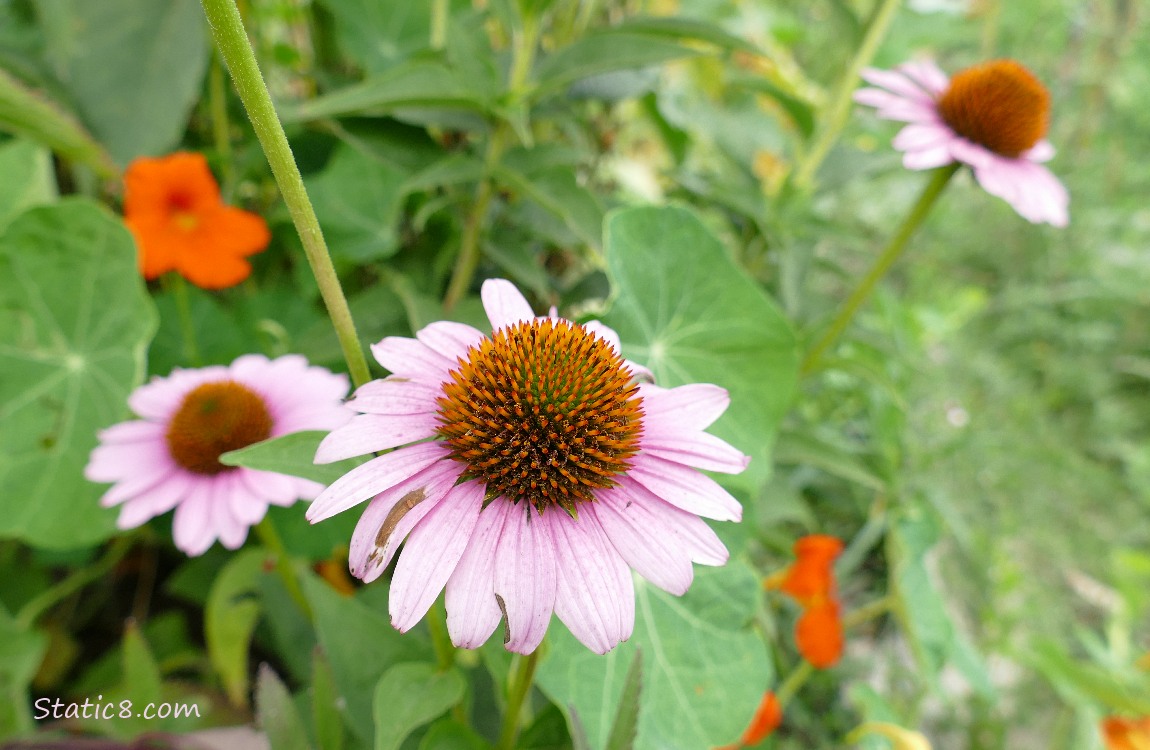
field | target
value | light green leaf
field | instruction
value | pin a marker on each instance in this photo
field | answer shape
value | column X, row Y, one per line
column 21, row 652
column 410, row 695
column 277, row 713
column 685, row 310
column 808, row 450
column 448, row 734
column 326, row 716
column 711, row 667
column 604, row 52
column 626, row 724
column 26, row 179
column 378, row 35
column 293, row 455
column 687, row 29
column 230, row 617
column 557, row 191
column 68, row 360
column 134, row 68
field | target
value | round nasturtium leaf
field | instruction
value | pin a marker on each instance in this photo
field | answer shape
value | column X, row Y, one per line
column 75, row 322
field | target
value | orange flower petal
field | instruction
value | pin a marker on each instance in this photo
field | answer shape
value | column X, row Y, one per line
column 239, row 232
column 211, row 270
column 157, row 185
column 811, row 579
column 1126, row 734
column 819, row 634
column 766, row 720
column 155, row 255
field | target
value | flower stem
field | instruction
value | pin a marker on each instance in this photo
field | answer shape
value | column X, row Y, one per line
column 794, row 681
column 874, row 609
column 270, row 538
column 439, row 13
column 45, row 600
column 440, row 640
column 889, row 255
column 232, row 41
column 834, row 117
column 179, row 289
column 218, row 106
column 519, row 680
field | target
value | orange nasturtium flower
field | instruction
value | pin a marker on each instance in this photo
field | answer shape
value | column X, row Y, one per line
column 172, row 206
column 811, row 582
column 766, row 720
column 1126, row 734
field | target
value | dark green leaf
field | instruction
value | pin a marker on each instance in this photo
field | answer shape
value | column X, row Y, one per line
column 21, row 652
column 325, row 700
column 626, row 724
column 557, row 191
column 448, row 734
column 230, row 617
column 410, row 695
column 277, row 713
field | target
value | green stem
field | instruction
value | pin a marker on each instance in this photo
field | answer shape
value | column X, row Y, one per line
column 889, row 255
column 232, row 41
column 794, row 681
column 179, row 289
column 218, row 106
column 270, row 538
column 440, row 639
column 520, row 676
column 439, row 12
column 45, row 600
column 834, row 117
column 877, row 608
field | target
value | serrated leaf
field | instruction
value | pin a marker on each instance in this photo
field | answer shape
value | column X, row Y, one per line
column 293, row 455
column 277, row 713
column 684, row 309
column 68, row 361
column 712, row 668
column 410, row 695
column 230, row 617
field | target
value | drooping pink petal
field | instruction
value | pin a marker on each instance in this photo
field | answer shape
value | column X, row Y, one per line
column 926, row 74
column 685, row 488
column 132, row 432
column 413, row 359
column 192, row 524
column 1042, row 151
column 1029, row 188
column 228, row 527
column 432, row 551
column 644, row 541
column 687, row 407
column 504, row 304
column 472, row 611
column 368, row 433
column 525, row 577
column 157, row 500
column 277, row 489
column 595, row 598
column 897, row 83
column 246, row 505
column 451, row 340
column 701, row 450
column 396, row 395
column 134, row 464
column 392, row 514
column 893, row 107
column 373, row 477
column 918, row 136
column 927, row 158
column 684, row 529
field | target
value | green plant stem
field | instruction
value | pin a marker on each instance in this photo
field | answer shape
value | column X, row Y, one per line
column 519, row 680
column 795, row 680
column 232, row 41
column 440, row 640
column 178, row 288
column 889, row 255
column 270, row 538
column 439, row 12
column 834, row 117
column 877, row 608
column 218, row 106
column 45, row 600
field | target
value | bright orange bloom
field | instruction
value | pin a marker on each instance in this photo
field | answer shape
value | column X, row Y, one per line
column 173, row 208
column 767, row 719
column 811, row 582
column 1126, row 734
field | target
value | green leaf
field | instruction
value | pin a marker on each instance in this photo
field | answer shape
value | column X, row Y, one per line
column 422, row 84
column 801, row 113
column 293, row 455
column 688, row 29
column 604, row 52
column 360, row 644
column 69, row 360
column 685, row 310
column 26, row 179
column 449, row 734
column 808, row 450
column 358, row 202
column 325, row 700
column 230, row 618
column 30, row 114
column 410, row 695
column 712, row 668
column 557, row 191
column 378, row 35
column 1075, row 680
column 21, row 652
column 134, row 68
column 626, row 724
column 277, row 713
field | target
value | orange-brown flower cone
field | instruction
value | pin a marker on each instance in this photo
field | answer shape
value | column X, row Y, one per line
column 173, row 208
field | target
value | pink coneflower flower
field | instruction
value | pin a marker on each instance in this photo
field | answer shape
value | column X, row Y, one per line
column 992, row 117
column 536, row 471
column 171, row 457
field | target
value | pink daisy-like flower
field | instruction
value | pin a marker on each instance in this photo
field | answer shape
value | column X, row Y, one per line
column 536, row 472
column 992, row 117
column 170, row 458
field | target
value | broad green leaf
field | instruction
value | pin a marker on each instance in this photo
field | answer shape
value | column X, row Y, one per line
column 26, row 178
column 28, row 113
column 358, row 201
column 710, row 667
column 230, row 617
column 21, row 651
column 627, row 714
column 291, row 454
column 360, row 644
column 687, row 29
column 685, row 310
column 557, row 191
column 604, row 52
column 449, row 734
column 277, row 713
column 1076, row 680
column 808, row 450
column 134, row 68
column 68, row 360
column 453, row 169
column 801, row 113
column 326, row 716
column 378, row 35
column 410, row 695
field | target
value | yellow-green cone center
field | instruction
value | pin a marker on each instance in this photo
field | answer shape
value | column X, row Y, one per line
column 543, row 411
column 213, row 419
column 999, row 105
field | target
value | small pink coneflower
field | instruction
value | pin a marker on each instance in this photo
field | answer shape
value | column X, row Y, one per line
column 536, row 471
column 170, row 457
column 992, row 117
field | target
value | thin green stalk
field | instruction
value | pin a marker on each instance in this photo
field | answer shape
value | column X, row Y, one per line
column 834, row 117
column 795, row 680
column 439, row 11
column 218, row 106
column 232, row 41
column 45, row 600
column 440, row 640
column 270, row 538
column 175, row 284
column 889, row 255
column 519, row 680
column 874, row 609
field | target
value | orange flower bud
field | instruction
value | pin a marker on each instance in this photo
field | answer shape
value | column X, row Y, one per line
column 1126, row 734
